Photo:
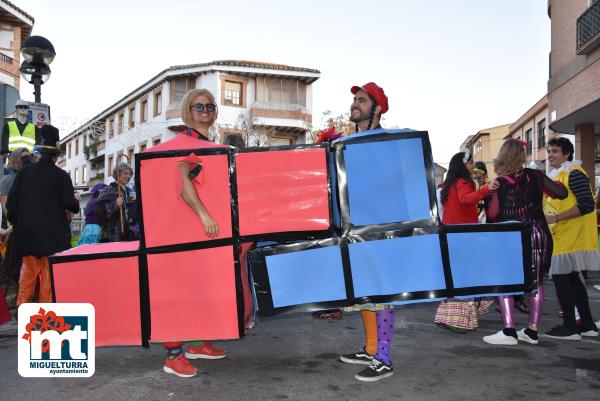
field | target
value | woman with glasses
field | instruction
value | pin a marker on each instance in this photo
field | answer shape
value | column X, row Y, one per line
column 459, row 199
column 199, row 113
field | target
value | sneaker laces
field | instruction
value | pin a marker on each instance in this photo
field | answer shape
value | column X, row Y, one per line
column 375, row 364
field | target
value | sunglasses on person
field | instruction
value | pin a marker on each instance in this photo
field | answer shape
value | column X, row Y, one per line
column 21, row 107
column 199, row 107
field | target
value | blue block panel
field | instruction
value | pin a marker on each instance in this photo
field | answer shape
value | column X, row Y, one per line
column 309, row 276
column 387, row 182
column 486, row 258
column 398, row 265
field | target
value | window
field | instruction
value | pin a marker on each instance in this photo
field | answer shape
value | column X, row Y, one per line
column 76, row 178
column 233, row 93
column 110, row 165
column 179, row 89
column 110, row 127
column 69, row 150
column 528, row 139
column 541, row 127
column 132, row 116
column 280, row 141
column 287, row 91
column 478, row 146
column 84, row 140
column 143, row 146
column 84, row 174
column 180, row 86
column 144, row 110
column 156, row 141
column 121, row 122
column 157, row 103
column 76, row 147
column 130, row 156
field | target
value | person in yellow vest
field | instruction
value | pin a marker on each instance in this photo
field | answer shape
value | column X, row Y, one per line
column 19, row 133
column 574, row 231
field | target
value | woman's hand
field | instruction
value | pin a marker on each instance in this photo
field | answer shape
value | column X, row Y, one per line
column 119, row 201
column 494, row 185
column 210, row 225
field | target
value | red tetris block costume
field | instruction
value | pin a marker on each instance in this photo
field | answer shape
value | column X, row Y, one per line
column 178, row 284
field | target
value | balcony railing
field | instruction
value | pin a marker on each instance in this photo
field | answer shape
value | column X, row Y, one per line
column 588, row 29
column 279, row 106
column 5, row 58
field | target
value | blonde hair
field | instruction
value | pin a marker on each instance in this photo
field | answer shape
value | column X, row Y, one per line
column 186, row 104
column 511, row 158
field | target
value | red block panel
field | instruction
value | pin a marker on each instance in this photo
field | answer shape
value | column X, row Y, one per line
column 168, row 219
column 107, row 247
column 282, row 191
column 192, row 295
column 112, row 286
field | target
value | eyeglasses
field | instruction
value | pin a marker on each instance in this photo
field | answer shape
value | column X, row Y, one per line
column 21, row 107
column 199, row 107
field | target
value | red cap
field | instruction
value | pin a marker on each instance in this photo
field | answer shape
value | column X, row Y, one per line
column 372, row 89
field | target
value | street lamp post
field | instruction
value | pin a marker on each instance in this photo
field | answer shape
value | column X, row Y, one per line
column 38, row 53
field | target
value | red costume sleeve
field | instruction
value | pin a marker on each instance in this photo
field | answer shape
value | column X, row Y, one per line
column 467, row 195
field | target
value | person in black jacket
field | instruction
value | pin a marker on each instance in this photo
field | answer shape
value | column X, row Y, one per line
column 36, row 206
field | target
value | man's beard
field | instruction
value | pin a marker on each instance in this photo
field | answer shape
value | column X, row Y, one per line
column 363, row 116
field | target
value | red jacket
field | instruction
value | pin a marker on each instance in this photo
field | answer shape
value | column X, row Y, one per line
column 461, row 205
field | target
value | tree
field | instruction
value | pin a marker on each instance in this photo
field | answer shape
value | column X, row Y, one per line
column 341, row 121
column 247, row 124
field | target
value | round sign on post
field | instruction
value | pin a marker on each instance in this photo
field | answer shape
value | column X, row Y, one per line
column 8, row 97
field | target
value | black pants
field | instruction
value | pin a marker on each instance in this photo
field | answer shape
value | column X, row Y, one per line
column 571, row 293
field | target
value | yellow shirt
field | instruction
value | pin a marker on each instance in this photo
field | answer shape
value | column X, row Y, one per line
column 576, row 234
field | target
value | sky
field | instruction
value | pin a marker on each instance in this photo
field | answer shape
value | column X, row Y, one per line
column 451, row 68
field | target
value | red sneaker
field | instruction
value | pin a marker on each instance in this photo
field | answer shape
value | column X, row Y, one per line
column 180, row 367
column 204, row 351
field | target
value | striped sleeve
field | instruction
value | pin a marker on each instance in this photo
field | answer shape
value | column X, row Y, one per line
column 580, row 186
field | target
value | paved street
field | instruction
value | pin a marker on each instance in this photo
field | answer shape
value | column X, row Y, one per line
column 293, row 357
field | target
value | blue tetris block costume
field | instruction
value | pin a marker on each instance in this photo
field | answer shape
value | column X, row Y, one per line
column 388, row 245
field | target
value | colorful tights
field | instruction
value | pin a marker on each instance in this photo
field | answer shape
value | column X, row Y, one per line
column 536, row 306
column 385, row 333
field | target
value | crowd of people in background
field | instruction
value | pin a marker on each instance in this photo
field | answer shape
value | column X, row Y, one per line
column 561, row 212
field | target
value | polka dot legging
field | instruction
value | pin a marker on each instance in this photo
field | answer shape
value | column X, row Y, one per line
column 385, row 333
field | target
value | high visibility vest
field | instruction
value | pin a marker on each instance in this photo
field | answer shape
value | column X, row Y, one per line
column 572, row 235
column 16, row 140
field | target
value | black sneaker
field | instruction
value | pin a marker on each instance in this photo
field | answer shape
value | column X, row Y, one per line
column 563, row 333
column 588, row 331
column 528, row 335
column 377, row 370
column 361, row 357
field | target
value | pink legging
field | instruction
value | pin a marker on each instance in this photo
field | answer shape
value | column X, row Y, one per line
column 536, row 305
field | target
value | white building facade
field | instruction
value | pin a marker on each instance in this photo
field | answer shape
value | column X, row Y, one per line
column 267, row 104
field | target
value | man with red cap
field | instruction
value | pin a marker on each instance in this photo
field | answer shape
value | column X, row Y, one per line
column 370, row 102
